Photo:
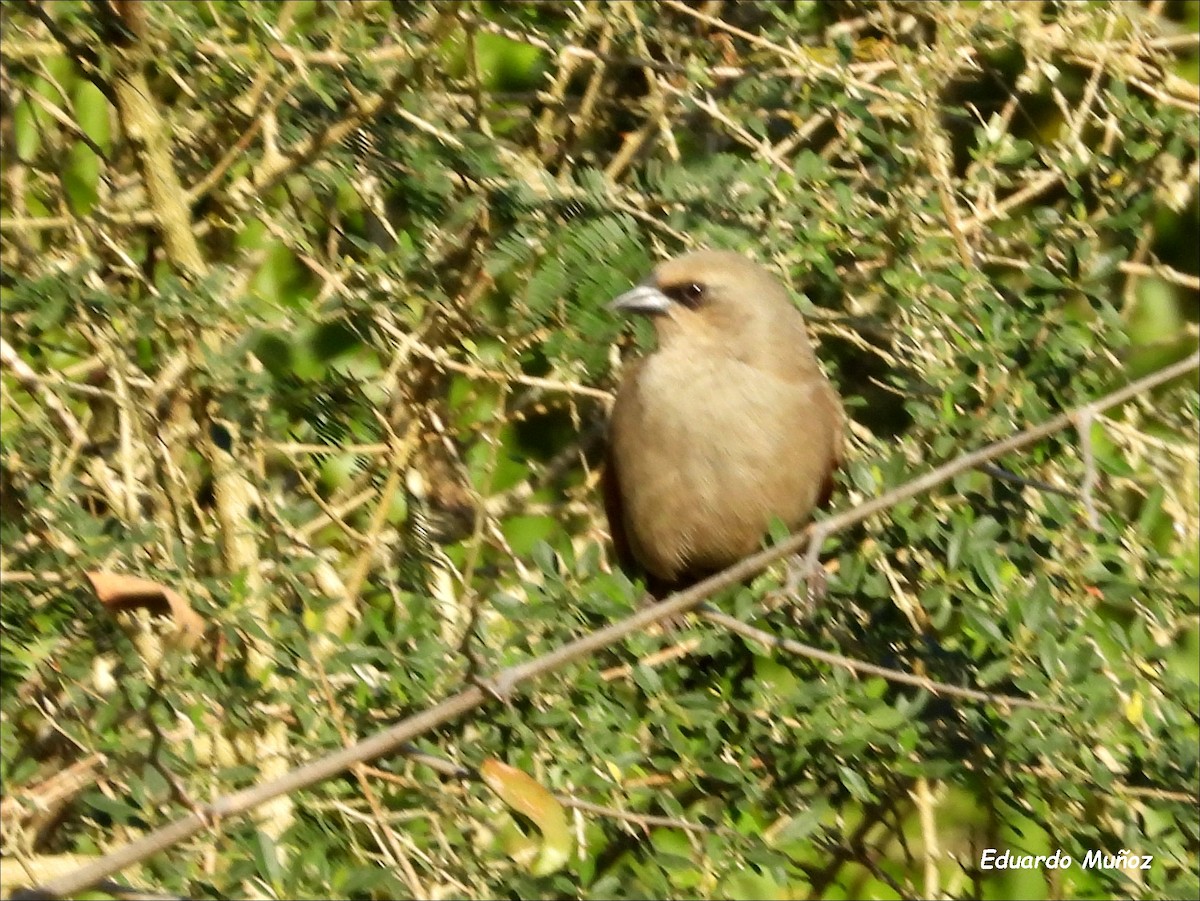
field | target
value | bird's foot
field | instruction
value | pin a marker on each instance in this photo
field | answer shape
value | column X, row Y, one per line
column 669, row 625
column 500, row 687
column 804, row 599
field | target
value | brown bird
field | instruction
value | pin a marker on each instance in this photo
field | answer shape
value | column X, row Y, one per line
column 729, row 424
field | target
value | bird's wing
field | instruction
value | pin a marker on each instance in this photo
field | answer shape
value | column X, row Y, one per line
column 611, row 492
column 836, row 412
column 614, row 510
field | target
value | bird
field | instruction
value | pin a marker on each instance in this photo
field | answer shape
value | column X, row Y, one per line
column 727, row 425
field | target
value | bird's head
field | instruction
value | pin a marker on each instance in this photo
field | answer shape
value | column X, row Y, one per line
column 720, row 302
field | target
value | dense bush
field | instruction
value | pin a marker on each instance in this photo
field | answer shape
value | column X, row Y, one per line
column 303, row 321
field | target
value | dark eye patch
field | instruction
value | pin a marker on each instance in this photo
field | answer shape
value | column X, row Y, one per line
column 689, row 294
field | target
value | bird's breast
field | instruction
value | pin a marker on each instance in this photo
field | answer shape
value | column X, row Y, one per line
column 709, row 451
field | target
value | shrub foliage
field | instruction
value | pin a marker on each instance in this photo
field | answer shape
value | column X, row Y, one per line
column 304, row 326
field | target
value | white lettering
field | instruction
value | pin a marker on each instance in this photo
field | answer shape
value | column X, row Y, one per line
column 1096, row 859
column 1124, row 859
column 991, row 859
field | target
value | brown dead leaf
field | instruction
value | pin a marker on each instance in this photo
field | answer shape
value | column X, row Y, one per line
column 117, row 592
column 528, row 797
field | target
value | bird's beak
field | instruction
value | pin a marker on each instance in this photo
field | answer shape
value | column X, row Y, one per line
column 642, row 299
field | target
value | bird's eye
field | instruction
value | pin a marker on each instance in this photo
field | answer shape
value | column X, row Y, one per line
column 689, row 294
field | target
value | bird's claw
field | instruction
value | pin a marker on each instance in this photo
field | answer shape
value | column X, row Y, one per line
column 499, row 687
column 816, row 587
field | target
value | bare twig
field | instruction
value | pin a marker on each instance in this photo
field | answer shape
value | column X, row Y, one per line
column 733, row 624
column 1083, row 422
column 33, row 383
column 925, row 801
column 646, row 821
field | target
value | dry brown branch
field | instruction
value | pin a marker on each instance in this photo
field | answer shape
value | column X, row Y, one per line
column 924, row 797
column 1166, row 273
column 35, row 385
column 807, row 62
column 444, row 360
column 298, row 58
column 148, row 133
column 646, row 821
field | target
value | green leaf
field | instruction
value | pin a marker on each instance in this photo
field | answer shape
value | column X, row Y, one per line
column 856, row 784
column 26, row 131
column 1043, row 278
column 92, row 113
column 81, row 178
